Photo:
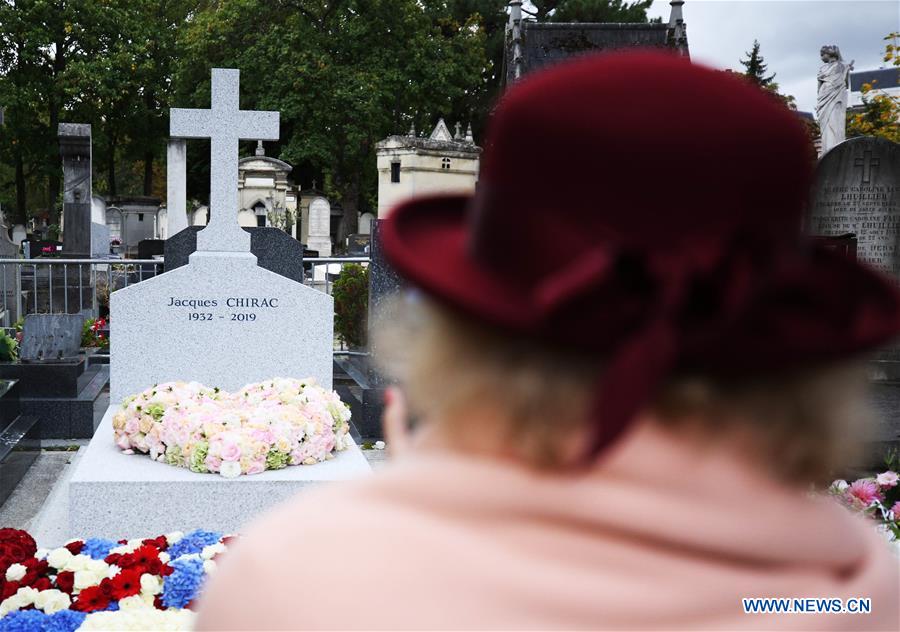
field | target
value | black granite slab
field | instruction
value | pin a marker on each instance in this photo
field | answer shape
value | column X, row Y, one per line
column 275, row 250
column 69, row 417
column 45, row 379
column 19, row 440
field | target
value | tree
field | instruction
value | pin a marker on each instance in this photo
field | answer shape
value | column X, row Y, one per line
column 343, row 75
column 103, row 62
column 880, row 115
column 755, row 68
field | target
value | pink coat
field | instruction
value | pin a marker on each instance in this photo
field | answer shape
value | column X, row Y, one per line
column 662, row 535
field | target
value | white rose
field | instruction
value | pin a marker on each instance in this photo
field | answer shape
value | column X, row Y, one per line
column 26, row 596
column 212, row 550
column 85, row 579
column 379, row 445
column 840, row 485
column 58, row 558
column 230, row 469
column 98, row 566
column 10, row 604
column 209, row 567
column 151, row 584
column 15, row 572
column 53, row 600
column 77, row 563
column 134, row 602
column 174, row 537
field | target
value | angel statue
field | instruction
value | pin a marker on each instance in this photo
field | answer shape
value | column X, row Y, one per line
column 831, row 105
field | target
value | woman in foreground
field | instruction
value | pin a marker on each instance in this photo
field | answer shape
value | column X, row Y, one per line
column 628, row 366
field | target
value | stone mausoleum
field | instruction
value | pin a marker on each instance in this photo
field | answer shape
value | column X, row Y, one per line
column 413, row 165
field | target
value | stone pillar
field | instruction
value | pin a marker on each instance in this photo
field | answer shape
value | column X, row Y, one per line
column 75, row 149
column 176, row 186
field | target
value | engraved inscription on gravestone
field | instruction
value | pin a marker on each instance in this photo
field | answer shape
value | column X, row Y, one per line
column 857, row 190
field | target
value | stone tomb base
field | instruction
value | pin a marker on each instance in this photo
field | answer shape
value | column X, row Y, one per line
column 114, row 495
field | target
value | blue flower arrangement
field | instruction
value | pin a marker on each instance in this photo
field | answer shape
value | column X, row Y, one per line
column 98, row 548
column 37, row 621
column 193, row 542
column 182, row 586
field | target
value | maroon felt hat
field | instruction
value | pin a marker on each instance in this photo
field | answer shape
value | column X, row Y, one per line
column 646, row 210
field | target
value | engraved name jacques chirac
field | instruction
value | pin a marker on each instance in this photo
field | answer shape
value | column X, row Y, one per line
column 246, row 301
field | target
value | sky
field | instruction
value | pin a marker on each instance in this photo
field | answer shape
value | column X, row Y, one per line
column 790, row 33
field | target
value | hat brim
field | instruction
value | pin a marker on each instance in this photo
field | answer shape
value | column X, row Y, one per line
column 826, row 308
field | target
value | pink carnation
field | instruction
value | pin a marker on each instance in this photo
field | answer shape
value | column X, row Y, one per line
column 896, row 510
column 864, row 492
column 887, row 479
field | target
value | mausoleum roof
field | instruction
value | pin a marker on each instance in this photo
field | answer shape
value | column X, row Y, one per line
column 881, row 79
column 545, row 43
column 265, row 163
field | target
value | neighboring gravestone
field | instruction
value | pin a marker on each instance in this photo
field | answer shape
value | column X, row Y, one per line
column 274, row 249
column 358, row 244
column 857, row 190
column 75, row 149
column 51, row 337
column 319, row 238
column 9, row 307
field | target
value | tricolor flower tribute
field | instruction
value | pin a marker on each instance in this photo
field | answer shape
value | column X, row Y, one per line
column 96, row 584
column 264, row 426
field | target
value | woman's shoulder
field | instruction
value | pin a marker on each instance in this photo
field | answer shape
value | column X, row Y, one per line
column 293, row 561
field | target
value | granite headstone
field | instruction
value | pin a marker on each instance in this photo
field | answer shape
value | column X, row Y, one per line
column 857, row 191
column 320, row 226
column 229, row 316
column 51, row 337
column 857, row 194
column 75, row 149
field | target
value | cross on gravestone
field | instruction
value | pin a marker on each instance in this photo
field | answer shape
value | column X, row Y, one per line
column 224, row 124
column 866, row 162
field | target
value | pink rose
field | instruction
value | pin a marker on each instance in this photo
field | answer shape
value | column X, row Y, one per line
column 896, row 510
column 887, row 479
column 255, row 467
column 230, row 452
column 863, row 492
column 213, row 463
column 132, row 426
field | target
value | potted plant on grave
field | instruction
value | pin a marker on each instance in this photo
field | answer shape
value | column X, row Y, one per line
column 92, row 335
column 351, row 305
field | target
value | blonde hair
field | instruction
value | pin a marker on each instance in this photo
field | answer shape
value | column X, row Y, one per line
column 799, row 425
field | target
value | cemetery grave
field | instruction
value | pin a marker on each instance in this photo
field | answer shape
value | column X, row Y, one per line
column 857, row 194
column 224, row 319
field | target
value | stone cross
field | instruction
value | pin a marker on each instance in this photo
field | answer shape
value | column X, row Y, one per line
column 866, row 163
column 224, row 124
